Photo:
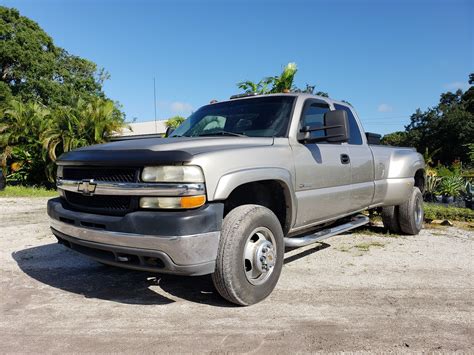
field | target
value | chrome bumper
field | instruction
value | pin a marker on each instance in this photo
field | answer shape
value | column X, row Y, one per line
column 188, row 254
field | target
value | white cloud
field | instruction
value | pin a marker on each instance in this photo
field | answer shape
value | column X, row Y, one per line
column 181, row 107
column 385, row 108
column 457, row 85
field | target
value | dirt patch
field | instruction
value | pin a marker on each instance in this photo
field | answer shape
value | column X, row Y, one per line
column 364, row 291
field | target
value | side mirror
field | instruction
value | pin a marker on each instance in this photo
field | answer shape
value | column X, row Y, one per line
column 169, row 131
column 336, row 128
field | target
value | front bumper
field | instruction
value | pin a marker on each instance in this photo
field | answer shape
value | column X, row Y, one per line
column 177, row 242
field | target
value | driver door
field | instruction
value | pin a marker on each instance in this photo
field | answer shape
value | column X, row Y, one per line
column 323, row 173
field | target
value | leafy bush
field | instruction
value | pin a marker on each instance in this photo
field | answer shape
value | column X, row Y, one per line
column 32, row 135
column 451, row 186
column 436, row 211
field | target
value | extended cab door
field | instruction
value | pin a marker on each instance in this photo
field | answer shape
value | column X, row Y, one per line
column 362, row 162
column 322, row 172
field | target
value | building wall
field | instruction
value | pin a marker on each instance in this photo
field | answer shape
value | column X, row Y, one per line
column 143, row 128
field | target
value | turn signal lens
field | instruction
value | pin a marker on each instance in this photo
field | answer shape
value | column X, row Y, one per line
column 173, row 202
column 193, row 201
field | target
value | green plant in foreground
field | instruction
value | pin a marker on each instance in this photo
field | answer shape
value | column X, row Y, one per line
column 451, row 186
column 432, row 183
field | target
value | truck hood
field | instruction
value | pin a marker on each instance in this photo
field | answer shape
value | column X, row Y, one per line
column 139, row 152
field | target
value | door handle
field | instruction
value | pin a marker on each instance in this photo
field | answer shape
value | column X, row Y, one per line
column 345, row 159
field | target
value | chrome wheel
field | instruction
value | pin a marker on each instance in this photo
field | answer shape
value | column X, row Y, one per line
column 259, row 255
column 419, row 214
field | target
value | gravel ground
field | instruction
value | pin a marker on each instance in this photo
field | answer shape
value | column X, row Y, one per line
column 362, row 291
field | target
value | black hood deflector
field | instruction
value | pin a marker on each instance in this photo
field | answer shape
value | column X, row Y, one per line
column 137, row 157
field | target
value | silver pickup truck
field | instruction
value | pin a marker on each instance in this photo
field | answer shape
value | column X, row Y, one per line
column 234, row 185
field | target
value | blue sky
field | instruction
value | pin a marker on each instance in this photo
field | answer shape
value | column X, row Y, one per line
column 385, row 57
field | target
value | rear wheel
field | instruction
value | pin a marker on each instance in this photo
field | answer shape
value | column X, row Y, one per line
column 411, row 213
column 405, row 218
column 250, row 255
column 390, row 219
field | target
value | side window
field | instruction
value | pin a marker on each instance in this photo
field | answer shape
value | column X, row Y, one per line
column 354, row 132
column 313, row 115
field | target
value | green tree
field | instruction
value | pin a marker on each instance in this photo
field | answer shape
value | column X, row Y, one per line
column 50, row 101
column 445, row 131
column 174, row 122
column 396, row 139
column 33, row 68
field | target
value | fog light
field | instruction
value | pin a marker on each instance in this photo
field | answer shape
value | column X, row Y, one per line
column 173, row 202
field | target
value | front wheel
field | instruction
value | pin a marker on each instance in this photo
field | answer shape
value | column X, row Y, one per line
column 250, row 255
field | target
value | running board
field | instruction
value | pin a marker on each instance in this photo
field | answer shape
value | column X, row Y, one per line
column 356, row 221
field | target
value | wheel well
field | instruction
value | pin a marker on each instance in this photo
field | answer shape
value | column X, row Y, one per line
column 420, row 180
column 272, row 194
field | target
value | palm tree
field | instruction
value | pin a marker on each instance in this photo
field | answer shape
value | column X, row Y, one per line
column 85, row 123
column 281, row 83
column 284, row 82
column 21, row 126
column 174, row 122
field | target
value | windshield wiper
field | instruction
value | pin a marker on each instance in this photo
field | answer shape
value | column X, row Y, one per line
column 222, row 133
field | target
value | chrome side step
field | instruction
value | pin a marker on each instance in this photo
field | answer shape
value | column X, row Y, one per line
column 356, row 221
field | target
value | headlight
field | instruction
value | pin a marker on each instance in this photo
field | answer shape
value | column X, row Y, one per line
column 173, row 173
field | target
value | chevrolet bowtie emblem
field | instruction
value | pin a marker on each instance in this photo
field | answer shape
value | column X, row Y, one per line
column 87, row 187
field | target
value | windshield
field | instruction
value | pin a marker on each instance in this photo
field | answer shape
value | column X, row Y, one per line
column 257, row 117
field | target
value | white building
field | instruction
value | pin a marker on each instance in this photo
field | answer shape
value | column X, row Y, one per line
column 144, row 128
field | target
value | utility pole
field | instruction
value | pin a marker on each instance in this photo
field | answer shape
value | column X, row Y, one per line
column 154, row 102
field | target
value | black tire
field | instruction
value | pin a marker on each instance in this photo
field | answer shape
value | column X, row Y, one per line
column 231, row 275
column 411, row 214
column 3, row 181
column 390, row 219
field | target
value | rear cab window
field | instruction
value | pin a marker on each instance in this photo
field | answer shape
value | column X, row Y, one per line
column 354, row 132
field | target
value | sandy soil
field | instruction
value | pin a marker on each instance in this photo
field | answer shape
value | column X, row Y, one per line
column 358, row 292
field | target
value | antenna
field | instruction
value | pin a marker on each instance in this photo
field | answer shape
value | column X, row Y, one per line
column 154, row 102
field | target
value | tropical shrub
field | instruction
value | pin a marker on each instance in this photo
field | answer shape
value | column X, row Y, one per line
column 451, row 186
column 431, row 186
column 32, row 135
